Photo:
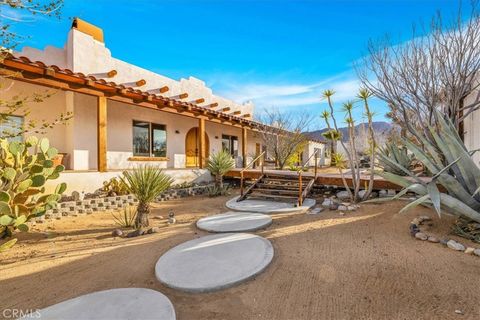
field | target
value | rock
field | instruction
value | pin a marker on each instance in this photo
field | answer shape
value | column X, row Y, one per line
column 469, row 250
column 421, row 236
column 333, row 206
column 315, row 211
column 458, row 311
column 351, row 208
column 153, row 230
column 342, row 208
column 341, row 213
column 343, row 195
column 136, row 233
column 172, row 220
column 391, row 192
column 476, row 252
column 414, row 229
column 424, row 218
column 327, row 203
column 117, row 233
column 158, row 217
column 382, row 193
column 416, row 221
column 444, row 241
column 452, row 244
column 433, row 239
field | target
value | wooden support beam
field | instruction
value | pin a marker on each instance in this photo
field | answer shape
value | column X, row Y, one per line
column 50, row 72
column 102, row 134
column 198, row 101
column 164, row 89
column 225, row 109
column 244, row 146
column 237, row 112
column 180, row 96
column 111, row 73
column 212, row 105
column 141, row 82
column 201, row 143
column 247, row 115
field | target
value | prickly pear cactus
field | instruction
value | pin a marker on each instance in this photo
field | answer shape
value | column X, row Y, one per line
column 25, row 167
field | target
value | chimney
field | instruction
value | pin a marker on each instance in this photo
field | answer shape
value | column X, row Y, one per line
column 88, row 28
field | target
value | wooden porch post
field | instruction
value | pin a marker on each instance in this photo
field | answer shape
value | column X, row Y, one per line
column 244, row 146
column 102, row 134
column 201, row 143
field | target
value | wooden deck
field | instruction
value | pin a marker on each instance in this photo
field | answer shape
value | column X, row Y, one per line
column 329, row 179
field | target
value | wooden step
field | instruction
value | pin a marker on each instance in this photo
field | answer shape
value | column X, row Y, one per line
column 285, row 180
column 280, row 186
column 275, row 191
column 274, row 196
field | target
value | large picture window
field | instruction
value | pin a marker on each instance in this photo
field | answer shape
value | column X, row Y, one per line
column 11, row 128
column 230, row 144
column 149, row 139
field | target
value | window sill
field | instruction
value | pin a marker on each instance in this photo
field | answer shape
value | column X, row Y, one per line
column 148, row 159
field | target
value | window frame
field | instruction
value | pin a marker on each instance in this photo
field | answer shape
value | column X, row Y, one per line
column 151, row 127
column 231, row 139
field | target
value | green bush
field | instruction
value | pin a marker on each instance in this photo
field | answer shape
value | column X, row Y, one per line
column 126, row 218
column 23, row 175
column 218, row 164
column 146, row 183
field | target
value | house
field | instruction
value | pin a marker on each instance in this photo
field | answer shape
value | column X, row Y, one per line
column 124, row 115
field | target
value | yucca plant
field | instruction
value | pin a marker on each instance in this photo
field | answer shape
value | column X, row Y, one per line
column 126, row 218
column 219, row 164
column 446, row 157
column 146, row 183
column 392, row 152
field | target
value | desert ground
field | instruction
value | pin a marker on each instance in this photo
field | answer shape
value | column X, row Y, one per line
column 363, row 265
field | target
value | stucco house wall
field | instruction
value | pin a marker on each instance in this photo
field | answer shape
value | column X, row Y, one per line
column 471, row 127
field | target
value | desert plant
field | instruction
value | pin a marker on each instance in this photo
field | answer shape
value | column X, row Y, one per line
column 215, row 191
column 146, row 183
column 125, row 218
column 219, row 164
column 333, row 136
column 353, row 158
column 23, row 176
column 393, row 152
column 114, row 187
column 451, row 165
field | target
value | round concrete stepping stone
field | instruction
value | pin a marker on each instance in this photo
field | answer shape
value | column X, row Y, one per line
column 125, row 303
column 265, row 206
column 214, row 262
column 234, row 222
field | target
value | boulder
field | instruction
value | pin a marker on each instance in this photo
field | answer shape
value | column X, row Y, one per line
column 452, row 244
column 135, row 233
column 469, row 250
column 342, row 208
column 476, row 252
column 117, row 233
column 153, row 230
column 433, row 239
column 343, row 195
column 327, row 202
column 421, row 236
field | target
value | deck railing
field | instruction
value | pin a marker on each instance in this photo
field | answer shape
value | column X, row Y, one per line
column 301, row 192
column 262, row 156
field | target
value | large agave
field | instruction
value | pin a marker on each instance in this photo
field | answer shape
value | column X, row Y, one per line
column 451, row 164
column 23, row 176
column 392, row 152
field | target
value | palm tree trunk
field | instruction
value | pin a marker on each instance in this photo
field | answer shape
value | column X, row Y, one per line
column 141, row 220
column 219, row 181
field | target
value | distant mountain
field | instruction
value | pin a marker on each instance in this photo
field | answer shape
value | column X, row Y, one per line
column 381, row 128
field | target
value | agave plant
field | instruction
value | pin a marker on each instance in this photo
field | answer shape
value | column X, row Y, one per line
column 146, row 183
column 451, row 164
column 219, row 164
column 392, row 152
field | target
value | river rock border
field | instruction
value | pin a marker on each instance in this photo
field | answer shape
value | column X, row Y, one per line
column 99, row 204
column 449, row 243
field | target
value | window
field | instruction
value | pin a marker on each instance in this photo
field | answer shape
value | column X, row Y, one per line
column 149, row 139
column 11, row 127
column 230, row 144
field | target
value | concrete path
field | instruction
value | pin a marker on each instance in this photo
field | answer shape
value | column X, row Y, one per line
column 264, row 206
column 214, row 262
column 119, row 304
column 234, row 222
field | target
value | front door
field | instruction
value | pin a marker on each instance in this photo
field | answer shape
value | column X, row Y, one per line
column 192, row 147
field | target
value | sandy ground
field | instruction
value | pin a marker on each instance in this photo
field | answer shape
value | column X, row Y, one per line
column 363, row 265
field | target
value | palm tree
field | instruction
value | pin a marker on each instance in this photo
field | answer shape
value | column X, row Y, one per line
column 146, row 183
column 333, row 136
column 218, row 164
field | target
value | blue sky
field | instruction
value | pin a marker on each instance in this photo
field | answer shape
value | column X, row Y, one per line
column 279, row 53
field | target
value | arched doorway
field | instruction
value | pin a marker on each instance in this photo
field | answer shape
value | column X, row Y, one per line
column 192, row 147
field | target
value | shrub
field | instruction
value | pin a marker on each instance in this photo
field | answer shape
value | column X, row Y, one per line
column 125, row 219
column 114, row 187
column 146, row 183
column 23, row 176
column 391, row 155
column 215, row 191
column 218, row 164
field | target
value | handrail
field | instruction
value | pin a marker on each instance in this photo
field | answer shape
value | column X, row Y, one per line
column 248, row 166
column 299, row 171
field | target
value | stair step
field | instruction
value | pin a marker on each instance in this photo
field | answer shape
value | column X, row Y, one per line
column 279, row 186
column 275, row 191
column 285, row 180
column 263, row 195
